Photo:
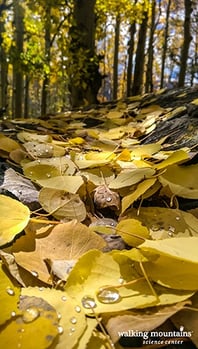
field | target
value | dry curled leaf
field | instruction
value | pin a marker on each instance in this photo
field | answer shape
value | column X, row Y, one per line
column 104, row 197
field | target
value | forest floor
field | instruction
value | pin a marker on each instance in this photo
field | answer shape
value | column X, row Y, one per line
column 99, row 225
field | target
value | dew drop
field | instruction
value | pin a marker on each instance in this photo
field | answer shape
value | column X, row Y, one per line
column 10, row 291
column 34, row 273
column 154, row 227
column 31, row 173
column 108, row 199
column 64, row 298
column 171, row 229
column 108, row 295
column 48, row 175
column 72, row 330
column 88, row 302
column 170, row 233
column 60, row 330
column 40, row 288
column 30, row 314
column 13, row 313
column 121, row 281
column 78, row 309
column 59, row 316
column 21, row 330
column 73, row 320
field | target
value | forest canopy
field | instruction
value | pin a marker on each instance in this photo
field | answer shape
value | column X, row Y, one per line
column 60, row 54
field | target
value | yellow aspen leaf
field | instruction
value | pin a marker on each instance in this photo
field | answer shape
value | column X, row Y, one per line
column 9, row 297
column 14, row 217
column 132, row 231
column 140, row 190
column 175, row 158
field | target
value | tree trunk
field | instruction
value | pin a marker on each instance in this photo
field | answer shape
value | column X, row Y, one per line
column 149, row 71
column 130, row 57
column 17, row 68
column 186, row 43
column 83, row 63
column 26, row 96
column 165, row 44
column 115, row 58
column 45, row 86
column 137, row 87
column 3, row 70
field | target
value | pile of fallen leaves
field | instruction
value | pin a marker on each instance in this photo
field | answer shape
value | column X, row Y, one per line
column 93, row 241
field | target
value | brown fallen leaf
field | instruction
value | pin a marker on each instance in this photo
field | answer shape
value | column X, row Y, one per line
column 67, row 241
column 139, row 320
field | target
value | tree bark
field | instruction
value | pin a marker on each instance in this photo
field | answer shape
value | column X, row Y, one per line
column 186, row 43
column 83, row 67
column 165, row 45
column 149, row 71
column 137, row 87
column 115, row 58
column 45, row 86
column 4, row 71
column 17, row 68
column 130, row 57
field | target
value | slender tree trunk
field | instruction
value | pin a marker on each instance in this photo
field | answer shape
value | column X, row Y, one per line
column 149, row 71
column 85, row 79
column 165, row 44
column 137, row 87
column 116, row 57
column 3, row 71
column 26, row 97
column 46, row 80
column 17, row 69
column 186, row 43
column 130, row 57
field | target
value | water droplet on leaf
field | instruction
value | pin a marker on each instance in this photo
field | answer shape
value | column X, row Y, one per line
column 121, row 280
column 88, row 302
column 177, row 218
column 73, row 320
column 108, row 199
column 34, row 273
column 171, row 229
column 72, row 330
column 30, row 314
column 59, row 316
column 13, row 313
column 78, row 309
column 155, row 227
column 108, row 295
column 10, row 291
column 63, row 298
column 60, row 329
